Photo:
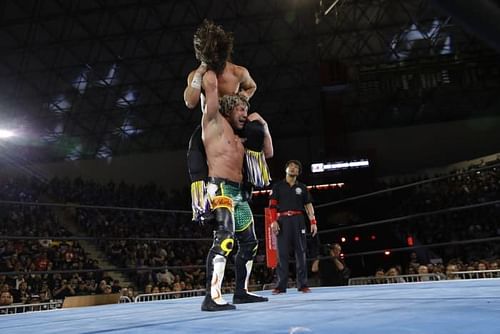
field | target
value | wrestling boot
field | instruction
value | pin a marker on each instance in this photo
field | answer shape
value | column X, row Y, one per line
column 244, row 298
column 209, row 305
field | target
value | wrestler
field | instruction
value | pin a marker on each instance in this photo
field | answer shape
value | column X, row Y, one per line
column 225, row 156
column 213, row 47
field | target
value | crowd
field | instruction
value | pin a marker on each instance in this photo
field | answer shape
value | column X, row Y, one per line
column 176, row 261
column 173, row 264
column 462, row 189
column 23, row 255
column 473, row 193
column 455, row 268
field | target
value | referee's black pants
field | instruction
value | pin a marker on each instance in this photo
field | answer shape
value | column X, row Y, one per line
column 292, row 236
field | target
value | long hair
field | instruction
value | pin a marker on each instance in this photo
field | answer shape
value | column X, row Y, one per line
column 212, row 45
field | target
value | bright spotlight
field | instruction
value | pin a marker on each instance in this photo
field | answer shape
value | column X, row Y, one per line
column 6, row 134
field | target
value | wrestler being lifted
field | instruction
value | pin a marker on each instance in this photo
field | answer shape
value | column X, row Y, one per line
column 222, row 122
column 213, row 47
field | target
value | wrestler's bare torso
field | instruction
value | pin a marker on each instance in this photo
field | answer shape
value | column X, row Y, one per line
column 224, row 149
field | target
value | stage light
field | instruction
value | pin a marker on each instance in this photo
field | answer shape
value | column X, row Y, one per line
column 387, row 252
column 356, row 238
column 343, row 239
column 409, row 240
column 373, row 237
column 322, row 167
column 6, row 134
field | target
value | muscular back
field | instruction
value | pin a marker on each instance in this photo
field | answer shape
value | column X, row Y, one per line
column 233, row 80
column 230, row 79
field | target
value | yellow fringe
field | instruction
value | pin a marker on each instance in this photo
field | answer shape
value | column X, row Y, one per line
column 257, row 169
column 199, row 200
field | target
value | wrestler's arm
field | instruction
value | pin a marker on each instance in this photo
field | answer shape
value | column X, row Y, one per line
column 268, row 140
column 268, row 143
column 211, row 110
column 194, row 84
column 247, row 84
column 310, row 214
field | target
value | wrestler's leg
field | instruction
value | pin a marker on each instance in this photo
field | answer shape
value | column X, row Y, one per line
column 247, row 250
column 217, row 255
column 198, row 172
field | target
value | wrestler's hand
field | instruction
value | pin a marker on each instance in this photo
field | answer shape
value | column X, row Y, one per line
column 196, row 82
column 314, row 229
column 202, row 68
column 244, row 96
column 275, row 227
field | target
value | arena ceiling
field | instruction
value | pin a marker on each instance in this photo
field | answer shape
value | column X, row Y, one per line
column 95, row 79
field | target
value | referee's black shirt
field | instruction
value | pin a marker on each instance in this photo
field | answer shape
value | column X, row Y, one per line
column 290, row 198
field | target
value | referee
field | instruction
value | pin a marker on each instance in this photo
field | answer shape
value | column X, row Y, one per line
column 289, row 202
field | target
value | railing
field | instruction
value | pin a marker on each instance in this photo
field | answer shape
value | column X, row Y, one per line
column 125, row 299
column 148, row 297
column 21, row 308
column 475, row 274
column 393, row 279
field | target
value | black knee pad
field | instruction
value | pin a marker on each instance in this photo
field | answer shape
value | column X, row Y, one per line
column 247, row 250
column 224, row 235
column 224, row 218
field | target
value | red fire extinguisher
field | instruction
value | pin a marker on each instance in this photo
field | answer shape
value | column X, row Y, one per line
column 271, row 242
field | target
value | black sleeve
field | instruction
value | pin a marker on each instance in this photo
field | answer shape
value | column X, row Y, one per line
column 274, row 191
column 306, row 195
